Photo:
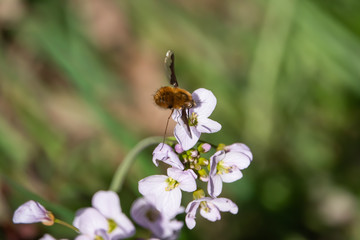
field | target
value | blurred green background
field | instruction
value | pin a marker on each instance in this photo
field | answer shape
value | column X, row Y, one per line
column 76, row 85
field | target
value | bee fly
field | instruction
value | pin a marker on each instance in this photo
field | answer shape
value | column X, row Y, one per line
column 173, row 97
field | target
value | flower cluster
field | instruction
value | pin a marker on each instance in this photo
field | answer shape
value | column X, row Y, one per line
column 187, row 165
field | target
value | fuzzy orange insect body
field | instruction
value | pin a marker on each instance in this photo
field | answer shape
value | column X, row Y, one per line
column 173, row 98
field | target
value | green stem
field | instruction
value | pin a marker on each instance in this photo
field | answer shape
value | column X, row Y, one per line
column 66, row 225
column 125, row 165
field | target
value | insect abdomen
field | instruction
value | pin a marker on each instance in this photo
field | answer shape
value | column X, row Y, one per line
column 164, row 97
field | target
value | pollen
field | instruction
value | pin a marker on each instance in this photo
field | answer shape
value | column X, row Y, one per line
column 193, row 121
column 172, row 184
column 223, row 169
column 204, row 206
column 112, row 225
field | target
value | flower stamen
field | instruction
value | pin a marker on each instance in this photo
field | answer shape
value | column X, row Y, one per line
column 193, row 121
column 172, row 184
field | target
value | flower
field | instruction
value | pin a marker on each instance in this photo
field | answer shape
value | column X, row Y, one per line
column 33, row 212
column 198, row 119
column 204, row 147
column 91, row 224
column 49, row 237
column 210, row 209
column 108, row 204
column 225, row 167
column 165, row 191
column 104, row 219
column 239, row 147
column 162, row 226
column 165, row 153
column 178, row 148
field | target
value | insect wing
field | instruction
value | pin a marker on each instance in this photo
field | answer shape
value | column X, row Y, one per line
column 184, row 117
column 170, row 69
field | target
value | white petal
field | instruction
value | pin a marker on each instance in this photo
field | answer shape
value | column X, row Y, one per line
column 125, row 228
column 140, row 210
column 191, row 213
column 151, row 184
column 84, row 237
column 232, row 176
column 184, row 139
column 193, row 206
column 190, row 221
column 205, row 102
column 206, row 125
column 174, row 161
column 185, row 178
column 225, row 205
column 165, row 153
column 107, row 202
column 176, row 225
column 214, row 186
column 160, row 153
column 212, row 214
column 30, row 212
column 47, row 237
column 239, row 147
column 189, row 185
column 89, row 220
column 214, row 160
column 103, row 235
column 168, row 202
column 237, row 159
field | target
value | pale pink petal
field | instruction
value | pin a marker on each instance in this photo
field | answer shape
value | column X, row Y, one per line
column 84, row 237
column 214, row 186
column 146, row 215
column 191, row 214
column 152, row 184
column 190, row 220
column 188, row 184
column 107, row 202
column 160, row 153
column 214, row 160
column 206, row 125
column 89, row 220
column 205, row 102
column 239, row 147
column 232, row 176
column 176, row 225
column 165, row 153
column 225, row 205
column 47, row 237
column 212, row 214
column 174, row 161
column 185, row 178
column 140, row 211
column 184, row 139
column 168, row 202
column 237, row 159
column 125, row 227
column 31, row 212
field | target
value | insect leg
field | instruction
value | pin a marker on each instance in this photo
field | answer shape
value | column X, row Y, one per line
column 167, row 123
